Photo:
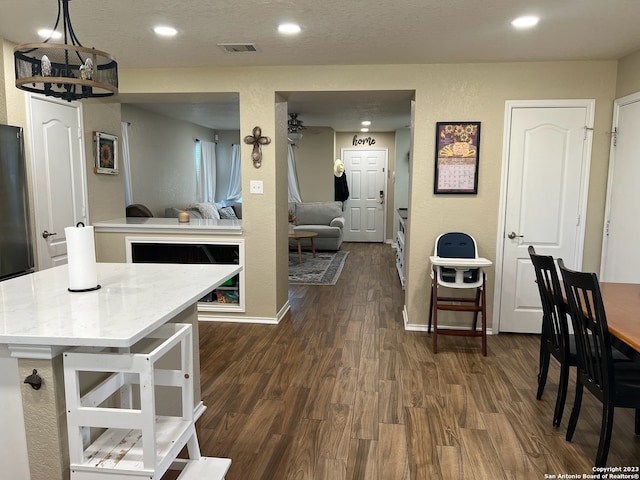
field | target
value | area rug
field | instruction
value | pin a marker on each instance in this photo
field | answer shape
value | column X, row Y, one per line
column 323, row 270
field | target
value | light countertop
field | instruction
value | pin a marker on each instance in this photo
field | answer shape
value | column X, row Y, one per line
column 170, row 225
column 135, row 299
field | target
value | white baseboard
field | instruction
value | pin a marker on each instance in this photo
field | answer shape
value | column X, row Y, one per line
column 232, row 319
column 419, row 327
column 198, row 410
column 265, row 320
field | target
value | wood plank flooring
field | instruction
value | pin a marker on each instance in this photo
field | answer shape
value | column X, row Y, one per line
column 339, row 390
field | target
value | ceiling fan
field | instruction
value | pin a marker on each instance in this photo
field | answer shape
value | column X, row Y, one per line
column 295, row 128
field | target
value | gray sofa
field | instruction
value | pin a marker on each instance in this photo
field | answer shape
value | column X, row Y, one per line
column 324, row 218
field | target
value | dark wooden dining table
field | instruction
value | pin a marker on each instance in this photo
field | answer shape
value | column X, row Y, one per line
column 622, row 306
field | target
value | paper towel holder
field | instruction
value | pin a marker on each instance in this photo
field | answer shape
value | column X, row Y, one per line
column 97, row 287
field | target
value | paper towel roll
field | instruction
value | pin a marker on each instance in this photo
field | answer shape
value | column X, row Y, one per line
column 81, row 258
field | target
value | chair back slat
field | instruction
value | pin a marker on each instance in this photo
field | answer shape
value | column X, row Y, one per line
column 555, row 328
column 593, row 343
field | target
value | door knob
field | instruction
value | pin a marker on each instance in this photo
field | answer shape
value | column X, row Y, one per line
column 46, row 234
column 513, row 235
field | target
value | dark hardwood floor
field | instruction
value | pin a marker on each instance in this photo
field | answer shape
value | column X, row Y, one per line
column 339, row 390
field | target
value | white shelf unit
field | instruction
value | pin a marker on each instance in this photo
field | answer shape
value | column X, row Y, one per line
column 400, row 256
column 114, row 430
column 400, row 244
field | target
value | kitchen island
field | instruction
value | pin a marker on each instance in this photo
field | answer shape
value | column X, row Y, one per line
column 40, row 319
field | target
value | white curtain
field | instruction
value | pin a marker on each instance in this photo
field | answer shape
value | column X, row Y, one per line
column 126, row 164
column 294, row 192
column 235, row 180
column 205, row 171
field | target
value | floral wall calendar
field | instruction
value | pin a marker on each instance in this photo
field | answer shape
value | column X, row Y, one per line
column 457, row 156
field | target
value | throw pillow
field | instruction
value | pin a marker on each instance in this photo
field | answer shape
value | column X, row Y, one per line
column 228, row 213
column 206, row 209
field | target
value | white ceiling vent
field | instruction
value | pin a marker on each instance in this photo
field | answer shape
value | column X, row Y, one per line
column 237, row 47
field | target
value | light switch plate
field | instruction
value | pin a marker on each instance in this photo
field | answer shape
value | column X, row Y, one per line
column 256, row 187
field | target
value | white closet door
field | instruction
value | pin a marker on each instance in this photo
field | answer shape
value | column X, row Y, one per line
column 620, row 258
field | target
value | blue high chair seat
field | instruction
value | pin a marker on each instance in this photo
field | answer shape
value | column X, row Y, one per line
column 458, row 247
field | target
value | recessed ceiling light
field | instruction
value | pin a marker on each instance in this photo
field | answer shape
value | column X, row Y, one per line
column 48, row 33
column 366, row 123
column 165, row 31
column 525, row 22
column 364, row 130
column 289, row 28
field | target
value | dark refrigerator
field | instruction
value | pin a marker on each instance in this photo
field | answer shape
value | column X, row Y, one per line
column 16, row 250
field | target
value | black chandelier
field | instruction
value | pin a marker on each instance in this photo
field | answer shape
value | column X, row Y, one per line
column 68, row 71
column 294, row 128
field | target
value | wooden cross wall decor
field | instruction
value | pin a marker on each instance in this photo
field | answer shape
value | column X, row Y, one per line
column 257, row 140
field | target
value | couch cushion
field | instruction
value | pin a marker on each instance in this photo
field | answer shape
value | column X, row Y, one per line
column 337, row 222
column 206, row 210
column 227, row 212
column 323, row 231
column 317, row 213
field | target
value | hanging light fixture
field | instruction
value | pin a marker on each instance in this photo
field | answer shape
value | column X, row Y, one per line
column 295, row 128
column 68, row 71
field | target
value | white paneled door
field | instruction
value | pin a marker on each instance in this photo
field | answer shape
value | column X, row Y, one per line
column 59, row 178
column 547, row 148
column 620, row 259
column 364, row 211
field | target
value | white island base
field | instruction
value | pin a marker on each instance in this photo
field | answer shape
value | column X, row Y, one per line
column 40, row 321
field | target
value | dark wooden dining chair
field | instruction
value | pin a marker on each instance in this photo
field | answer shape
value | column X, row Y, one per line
column 615, row 384
column 555, row 340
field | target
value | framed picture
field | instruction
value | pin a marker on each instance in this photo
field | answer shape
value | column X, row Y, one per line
column 457, row 157
column 105, row 152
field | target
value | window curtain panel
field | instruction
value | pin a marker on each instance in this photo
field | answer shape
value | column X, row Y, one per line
column 205, row 171
column 235, row 181
column 294, row 191
column 126, row 164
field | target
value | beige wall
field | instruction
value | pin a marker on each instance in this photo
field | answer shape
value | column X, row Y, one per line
column 12, row 101
column 106, row 192
column 314, row 164
column 442, row 92
column 163, row 169
column 628, row 75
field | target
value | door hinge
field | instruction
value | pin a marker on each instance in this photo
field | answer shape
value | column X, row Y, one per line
column 614, row 136
column 586, row 130
column 606, row 228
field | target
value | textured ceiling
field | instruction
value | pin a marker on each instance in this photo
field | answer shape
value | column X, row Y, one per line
column 337, row 32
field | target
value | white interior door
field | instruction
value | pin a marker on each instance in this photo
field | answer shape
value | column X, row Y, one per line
column 548, row 149
column 59, row 176
column 365, row 208
column 620, row 259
